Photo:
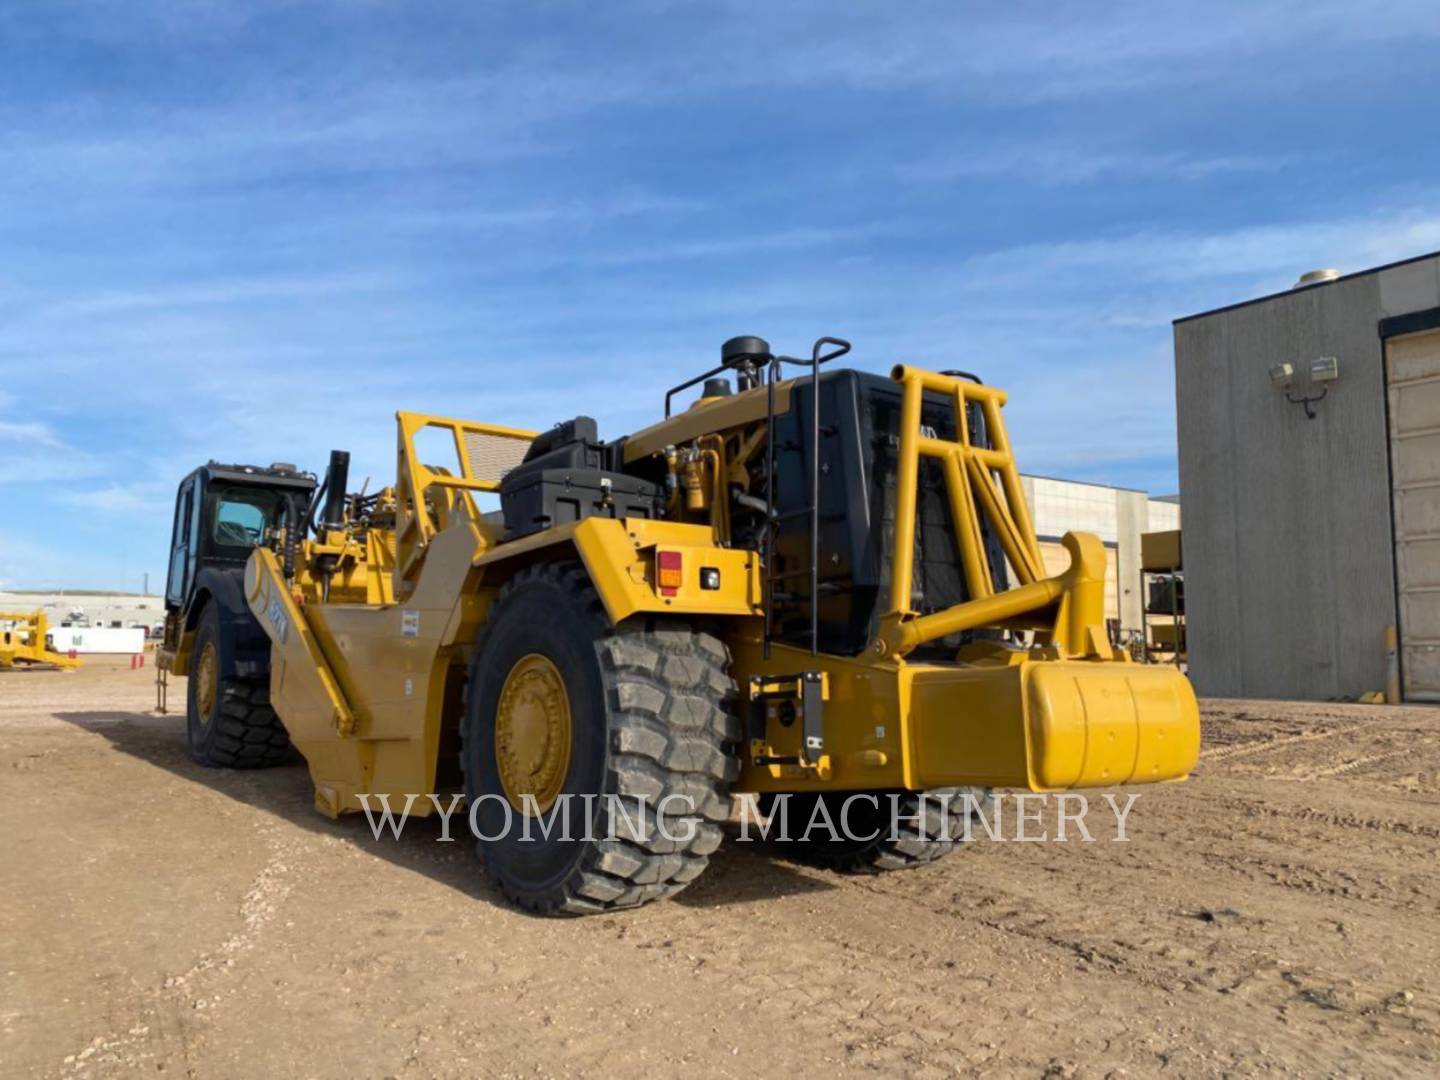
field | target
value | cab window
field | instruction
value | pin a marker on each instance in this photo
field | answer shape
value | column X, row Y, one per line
column 239, row 523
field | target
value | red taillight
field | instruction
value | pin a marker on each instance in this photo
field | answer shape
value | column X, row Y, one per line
column 668, row 575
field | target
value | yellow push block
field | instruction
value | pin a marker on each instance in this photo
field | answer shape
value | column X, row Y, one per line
column 1093, row 725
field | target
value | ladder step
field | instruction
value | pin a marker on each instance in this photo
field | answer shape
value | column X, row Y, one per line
column 789, row 574
column 825, row 587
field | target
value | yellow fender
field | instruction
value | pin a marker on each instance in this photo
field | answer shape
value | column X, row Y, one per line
column 638, row 565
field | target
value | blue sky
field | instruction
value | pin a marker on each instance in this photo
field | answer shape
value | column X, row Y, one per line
column 251, row 231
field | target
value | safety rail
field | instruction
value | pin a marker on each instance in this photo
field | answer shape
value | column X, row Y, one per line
column 970, row 481
column 484, row 453
column 812, row 510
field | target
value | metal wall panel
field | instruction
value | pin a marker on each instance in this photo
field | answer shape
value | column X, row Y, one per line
column 1289, row 581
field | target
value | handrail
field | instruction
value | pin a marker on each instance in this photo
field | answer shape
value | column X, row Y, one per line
column 415, row 523
column 841, row 347
column 970, row 471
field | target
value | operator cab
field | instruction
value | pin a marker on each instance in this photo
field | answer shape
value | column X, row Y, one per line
column 222, row 512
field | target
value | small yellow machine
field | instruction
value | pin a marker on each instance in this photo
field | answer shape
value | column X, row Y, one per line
column 794, row 587
column 24, row 639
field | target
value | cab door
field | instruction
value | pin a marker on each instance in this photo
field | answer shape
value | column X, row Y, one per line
column 177, row 583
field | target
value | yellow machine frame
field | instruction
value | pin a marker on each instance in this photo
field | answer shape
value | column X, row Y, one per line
column 369, row 659
column 1086, row 715
column 25, row 642
column 1079, row 626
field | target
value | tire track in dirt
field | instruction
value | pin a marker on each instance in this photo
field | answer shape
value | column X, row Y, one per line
column 1247, row 926
column 197, row 988
column 1352, row 765
column 1264, row 744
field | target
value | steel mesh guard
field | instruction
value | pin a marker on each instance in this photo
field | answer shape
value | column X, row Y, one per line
column 490, row 457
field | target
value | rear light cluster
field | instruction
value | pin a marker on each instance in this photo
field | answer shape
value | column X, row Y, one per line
column 669, row 572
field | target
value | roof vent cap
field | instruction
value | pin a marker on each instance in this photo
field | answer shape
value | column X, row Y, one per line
column 1316, row 277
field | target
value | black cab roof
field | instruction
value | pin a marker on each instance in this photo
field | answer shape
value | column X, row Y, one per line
column 277, row 475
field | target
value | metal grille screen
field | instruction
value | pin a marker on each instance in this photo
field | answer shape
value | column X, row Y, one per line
column 492, row 456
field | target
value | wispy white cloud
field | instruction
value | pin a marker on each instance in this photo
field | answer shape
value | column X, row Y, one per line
column 1027, row 53
column 1265, row 256
column 343, row 120
column 222, row 292
column 749, row 244
column 31, row 453
column 335, row 123
column 1060, row 163
column 130, row 499
column 29, row 431
column 583, row 213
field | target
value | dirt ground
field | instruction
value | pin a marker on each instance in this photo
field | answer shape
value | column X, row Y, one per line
column 1280, row 913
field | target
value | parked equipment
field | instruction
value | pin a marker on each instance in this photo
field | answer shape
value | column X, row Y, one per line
column 25, row 639
column 1162, row 592
column 221, row 513
column 793, row 587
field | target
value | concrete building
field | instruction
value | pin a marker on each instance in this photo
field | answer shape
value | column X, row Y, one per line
column 89, row 608
column 1309, row 428
column 1118, row 516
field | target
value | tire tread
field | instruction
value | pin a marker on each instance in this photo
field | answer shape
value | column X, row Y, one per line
column 248, row 733
column 672, row 731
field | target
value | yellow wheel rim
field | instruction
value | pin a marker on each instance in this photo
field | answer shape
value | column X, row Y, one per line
column 207, row 676
column 532, row 733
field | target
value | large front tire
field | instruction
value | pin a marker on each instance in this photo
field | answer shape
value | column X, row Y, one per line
column 229, row 723
column 626, row 729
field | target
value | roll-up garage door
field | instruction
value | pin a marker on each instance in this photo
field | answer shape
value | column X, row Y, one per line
column 1413, row 380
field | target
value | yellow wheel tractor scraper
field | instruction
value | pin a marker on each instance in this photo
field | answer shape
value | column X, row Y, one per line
column 815, row 586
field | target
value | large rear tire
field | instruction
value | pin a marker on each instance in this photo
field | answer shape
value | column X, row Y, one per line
column 229, row 723
column 910, row 828
column 626, row 729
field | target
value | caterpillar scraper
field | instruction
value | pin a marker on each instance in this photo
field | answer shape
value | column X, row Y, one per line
column 816, row 586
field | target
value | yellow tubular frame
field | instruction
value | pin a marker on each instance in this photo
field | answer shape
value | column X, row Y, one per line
column 970, row 471
column 415, row 520
column 26, row 641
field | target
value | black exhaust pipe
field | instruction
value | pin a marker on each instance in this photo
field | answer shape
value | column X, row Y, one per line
column 337, row 477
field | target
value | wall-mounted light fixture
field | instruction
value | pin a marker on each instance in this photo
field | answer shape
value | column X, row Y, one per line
column 1323, row 371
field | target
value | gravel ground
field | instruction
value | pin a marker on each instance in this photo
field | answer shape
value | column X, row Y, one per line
column 1277, row 913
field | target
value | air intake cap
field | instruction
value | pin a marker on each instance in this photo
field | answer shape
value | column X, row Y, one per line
column 716, row 388
column 1316, row 277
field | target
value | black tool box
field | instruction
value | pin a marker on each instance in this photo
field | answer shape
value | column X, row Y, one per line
column 544, row 498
